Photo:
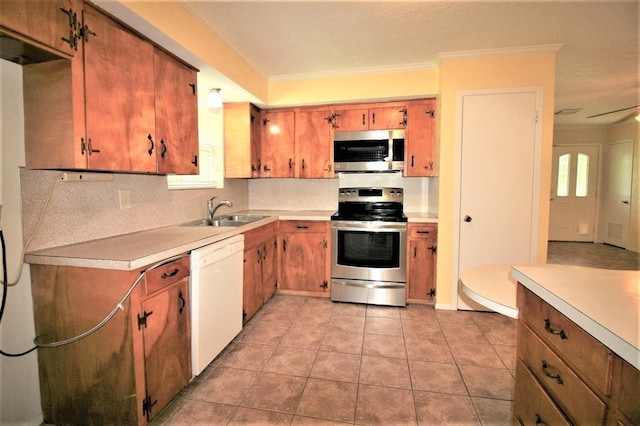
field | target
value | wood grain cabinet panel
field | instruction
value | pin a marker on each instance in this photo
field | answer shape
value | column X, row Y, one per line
column 304, row 257
column 420, row 138
column 422, row 254
column 242, row 140
column 129, row 369
column 314, row 143
column 579, row 375
column 51, row 23
column 176, row 115
column 278, row 144
column 108, row 108
column 532, row 405
column 259, row 280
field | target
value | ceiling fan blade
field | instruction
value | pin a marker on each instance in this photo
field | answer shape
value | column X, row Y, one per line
column 611, row 112
column 625, row 118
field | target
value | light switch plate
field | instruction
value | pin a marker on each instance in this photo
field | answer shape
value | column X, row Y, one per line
column 125, row 199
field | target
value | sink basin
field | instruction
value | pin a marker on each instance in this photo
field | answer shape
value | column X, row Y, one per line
column 228, row 220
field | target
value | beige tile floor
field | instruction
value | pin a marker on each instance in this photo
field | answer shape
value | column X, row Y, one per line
column 312, row 361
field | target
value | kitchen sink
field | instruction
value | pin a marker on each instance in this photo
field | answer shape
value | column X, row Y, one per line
column 227, row 220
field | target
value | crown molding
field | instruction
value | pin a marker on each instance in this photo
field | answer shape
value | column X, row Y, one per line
column 504, row 51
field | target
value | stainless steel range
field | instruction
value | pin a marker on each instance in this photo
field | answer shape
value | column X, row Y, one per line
column 369, row 234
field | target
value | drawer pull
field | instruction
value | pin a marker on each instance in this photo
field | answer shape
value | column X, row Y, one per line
column 539, row 420
column 423, row 232
column 170, row 274
column 547, row 326
column 546, row 372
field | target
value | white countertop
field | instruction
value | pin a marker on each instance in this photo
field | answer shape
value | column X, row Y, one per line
column 604, row 302
column 491, row 286
column 135, row 250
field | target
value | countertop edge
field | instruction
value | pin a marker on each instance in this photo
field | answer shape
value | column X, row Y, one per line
column 619, row 346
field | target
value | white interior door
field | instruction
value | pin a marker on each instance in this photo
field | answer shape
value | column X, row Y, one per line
column 617, row 192
column 572, row 214
column 497, row 182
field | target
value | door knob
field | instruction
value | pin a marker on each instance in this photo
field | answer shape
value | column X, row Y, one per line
column 467, row 218
column 625, row 202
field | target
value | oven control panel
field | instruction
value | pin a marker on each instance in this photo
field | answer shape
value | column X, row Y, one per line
column 370, row 195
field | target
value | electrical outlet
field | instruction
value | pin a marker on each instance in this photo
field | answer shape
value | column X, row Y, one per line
column 125, row 199
column 86, row 177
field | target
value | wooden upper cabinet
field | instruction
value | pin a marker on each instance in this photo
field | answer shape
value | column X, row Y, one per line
column 352, row 120
column 388, row 117
column 420, row 139
column 242, row 134
column 314, row 143
column 108, row 108
column 278, row 144
column 371, row 117
column 176, row 112
column 52, row 23
column 120, row 109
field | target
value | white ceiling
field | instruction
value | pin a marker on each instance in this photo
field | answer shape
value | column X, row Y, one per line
column 597, row 65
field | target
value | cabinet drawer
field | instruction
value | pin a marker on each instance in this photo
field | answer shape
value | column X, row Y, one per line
column 426, row 231
column 259, row 235
column 167, row 275
column 580, row 403
column 532, row 405
column 629, row 393
column 574, row 345
column 302, row 226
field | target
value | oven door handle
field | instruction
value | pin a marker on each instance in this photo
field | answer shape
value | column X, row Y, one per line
column 368, row 284
column 367, row 227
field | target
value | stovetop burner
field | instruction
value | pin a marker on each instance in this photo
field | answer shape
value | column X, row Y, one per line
column 370, row 204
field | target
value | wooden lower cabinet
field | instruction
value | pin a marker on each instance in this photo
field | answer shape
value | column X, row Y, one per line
column 129, row 369
column 422, row 254
column 565, row 376
column 304, row 256
column 259, row 273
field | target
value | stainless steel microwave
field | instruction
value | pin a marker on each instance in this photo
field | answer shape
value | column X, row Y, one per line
column 369, row 151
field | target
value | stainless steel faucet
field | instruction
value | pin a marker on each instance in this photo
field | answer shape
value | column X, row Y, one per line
column 211, row 210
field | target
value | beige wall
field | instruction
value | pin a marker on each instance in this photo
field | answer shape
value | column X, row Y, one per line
column 487, row 73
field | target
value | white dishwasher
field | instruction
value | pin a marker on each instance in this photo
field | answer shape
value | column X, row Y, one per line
column 216, row 299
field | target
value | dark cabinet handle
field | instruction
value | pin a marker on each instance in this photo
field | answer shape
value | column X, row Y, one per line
column 193, row 88
column 302, row 227
column 324, row 285
column 150, row 151
column 423, row 232
column 431, row 113
column 550, row 375
column 549, row 329
column 266, row 168
column 183, row 302
column 163, row 151
column 364, row 121
column 415, row 252
column 434, row 250
column 539, row 420
column 290, row 163
column 467, row 218
column 195, row 160
column 373, row 118
column 170, row 274
column 303, row 164
column 284, row 245
column 412, row 158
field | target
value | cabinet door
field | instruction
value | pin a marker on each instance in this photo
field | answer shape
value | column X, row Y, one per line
column 304, row 257
column 420, row 139
column 176, row 115
column 252, row 282
column 314, row 144
column 120, row 110
column 268, row 269
column 383, row 118
column 50, row 22
column 278, row 148
column 421, row 267
column 242, row 133
column 167, row 345
column 352, row 120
